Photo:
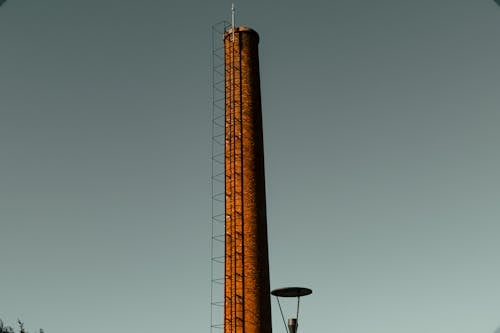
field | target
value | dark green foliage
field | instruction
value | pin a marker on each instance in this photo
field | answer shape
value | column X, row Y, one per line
column 9, row 329
column 5, row 329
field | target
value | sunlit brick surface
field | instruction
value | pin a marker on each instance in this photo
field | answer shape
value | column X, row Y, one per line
column 247, row 293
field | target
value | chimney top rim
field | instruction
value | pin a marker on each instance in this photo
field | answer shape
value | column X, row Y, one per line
column 241, row 29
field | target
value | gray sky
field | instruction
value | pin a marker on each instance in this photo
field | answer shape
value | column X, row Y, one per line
column 382, row 158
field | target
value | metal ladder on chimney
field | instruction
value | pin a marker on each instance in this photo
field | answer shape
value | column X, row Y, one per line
column 227, row 258
column 234, row 276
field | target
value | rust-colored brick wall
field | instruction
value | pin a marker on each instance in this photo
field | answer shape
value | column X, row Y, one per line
column 247, row 305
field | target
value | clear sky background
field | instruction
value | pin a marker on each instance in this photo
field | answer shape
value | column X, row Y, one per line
column 381, row 125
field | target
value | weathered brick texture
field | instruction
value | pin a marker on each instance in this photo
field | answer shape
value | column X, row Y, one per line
column 247, row 292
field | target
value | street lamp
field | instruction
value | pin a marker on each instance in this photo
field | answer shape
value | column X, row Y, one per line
column 297, row 292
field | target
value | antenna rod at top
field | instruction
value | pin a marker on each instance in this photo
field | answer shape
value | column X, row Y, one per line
column 232, row 15
column 232, row 22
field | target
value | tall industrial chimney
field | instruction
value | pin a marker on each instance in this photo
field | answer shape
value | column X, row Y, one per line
column 247, row 307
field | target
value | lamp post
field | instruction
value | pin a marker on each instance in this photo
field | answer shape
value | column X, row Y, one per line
column 297, row 292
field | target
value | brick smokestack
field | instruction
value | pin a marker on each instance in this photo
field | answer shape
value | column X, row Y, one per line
column 247, row 304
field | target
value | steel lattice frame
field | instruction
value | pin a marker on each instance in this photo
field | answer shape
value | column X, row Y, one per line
column 217, row 178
